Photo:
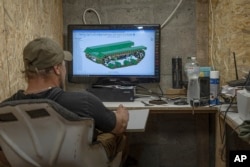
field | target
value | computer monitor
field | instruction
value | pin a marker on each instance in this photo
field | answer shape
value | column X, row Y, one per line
column 114, row 53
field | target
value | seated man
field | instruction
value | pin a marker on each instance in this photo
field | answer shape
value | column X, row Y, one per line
column 44, row 62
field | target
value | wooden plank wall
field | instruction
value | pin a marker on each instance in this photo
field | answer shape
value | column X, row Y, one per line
column 229, row 31
column 20, row 22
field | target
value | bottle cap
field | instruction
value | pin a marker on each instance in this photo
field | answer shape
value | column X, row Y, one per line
column 214, row 74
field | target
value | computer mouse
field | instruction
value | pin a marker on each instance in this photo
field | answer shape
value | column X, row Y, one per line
column 181, row 102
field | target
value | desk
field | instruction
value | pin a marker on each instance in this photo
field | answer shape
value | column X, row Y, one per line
column 164, row 108
column 201, row 136
column 232, row 120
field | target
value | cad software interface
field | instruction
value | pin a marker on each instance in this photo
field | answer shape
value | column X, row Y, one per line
column 113, row 52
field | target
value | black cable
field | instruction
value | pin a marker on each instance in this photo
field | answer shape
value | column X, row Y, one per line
column 225, row 115
column 224, row 134
column 160, row 89
column 235, row 66
column 150, row 91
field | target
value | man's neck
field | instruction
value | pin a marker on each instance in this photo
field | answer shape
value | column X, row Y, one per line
column 37, row 86
column 35, row 91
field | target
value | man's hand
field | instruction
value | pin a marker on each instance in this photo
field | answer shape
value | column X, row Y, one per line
column 122, row 118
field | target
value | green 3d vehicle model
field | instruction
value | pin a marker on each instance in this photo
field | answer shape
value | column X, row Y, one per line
column 116, row 55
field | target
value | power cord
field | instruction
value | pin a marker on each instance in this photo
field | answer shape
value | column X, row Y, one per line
column 99, row 18
column 150, row 91
column 224, row 133
column 89, row 10
column 212, row 33
column 171, row 15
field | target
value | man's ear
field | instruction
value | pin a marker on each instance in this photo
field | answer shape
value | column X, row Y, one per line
column 57, row 69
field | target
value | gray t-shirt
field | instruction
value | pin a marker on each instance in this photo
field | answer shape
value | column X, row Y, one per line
column 81, row 103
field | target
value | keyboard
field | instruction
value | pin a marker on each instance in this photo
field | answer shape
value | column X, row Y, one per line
column 239, row 82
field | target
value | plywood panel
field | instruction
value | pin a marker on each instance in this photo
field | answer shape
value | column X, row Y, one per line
column 3, row 65
column 230, row 32
column 23, row 21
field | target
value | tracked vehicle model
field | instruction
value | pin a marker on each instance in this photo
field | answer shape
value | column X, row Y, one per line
column 116, row 55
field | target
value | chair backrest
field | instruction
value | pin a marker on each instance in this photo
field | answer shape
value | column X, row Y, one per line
column 42, row 133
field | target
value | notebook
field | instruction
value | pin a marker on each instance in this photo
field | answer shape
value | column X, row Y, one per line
column 137, row 120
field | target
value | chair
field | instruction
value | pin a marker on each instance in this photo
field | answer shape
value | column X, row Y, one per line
column 42, row 133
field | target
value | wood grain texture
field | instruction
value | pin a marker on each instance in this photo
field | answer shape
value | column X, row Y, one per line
column 20, row 23
column 229, row 32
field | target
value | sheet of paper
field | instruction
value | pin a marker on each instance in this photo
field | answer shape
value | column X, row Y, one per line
column 137, row 120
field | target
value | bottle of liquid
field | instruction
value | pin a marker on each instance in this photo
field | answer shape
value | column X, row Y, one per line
column 177, row 72
column 192, row 69
column 185, row 68
column 214, row 87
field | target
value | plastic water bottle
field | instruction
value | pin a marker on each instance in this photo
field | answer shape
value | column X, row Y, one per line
column 186, row 67
column 192, row 69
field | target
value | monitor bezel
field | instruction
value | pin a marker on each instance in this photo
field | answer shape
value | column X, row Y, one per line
column 136, row 79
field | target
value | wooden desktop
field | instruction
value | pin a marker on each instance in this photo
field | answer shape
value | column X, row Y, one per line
column 163, row 108
column 202, row 115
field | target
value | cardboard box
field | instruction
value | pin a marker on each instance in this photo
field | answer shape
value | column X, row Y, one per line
column 243, row 104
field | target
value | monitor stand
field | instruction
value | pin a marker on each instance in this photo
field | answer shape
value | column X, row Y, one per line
column 112, row 82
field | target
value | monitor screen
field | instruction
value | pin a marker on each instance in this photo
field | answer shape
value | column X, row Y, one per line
column 114, row 52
